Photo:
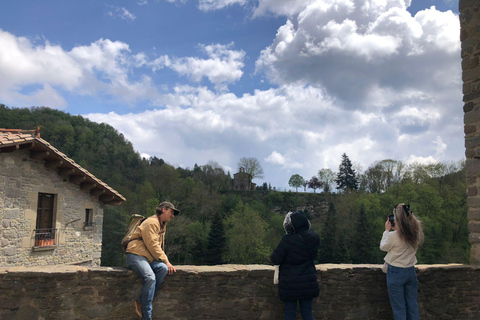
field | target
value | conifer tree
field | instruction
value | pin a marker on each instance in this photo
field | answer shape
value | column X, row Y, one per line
column 216, row 242
column 328, row 247
column 342, row 255
column 346, row 178
column 362, row 242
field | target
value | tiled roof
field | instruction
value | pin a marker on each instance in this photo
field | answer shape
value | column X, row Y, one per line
column 12, row 139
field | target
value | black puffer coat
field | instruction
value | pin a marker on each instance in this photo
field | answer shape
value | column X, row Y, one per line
column 295, row 254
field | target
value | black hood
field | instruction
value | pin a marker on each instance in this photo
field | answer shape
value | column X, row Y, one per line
column 296, row 222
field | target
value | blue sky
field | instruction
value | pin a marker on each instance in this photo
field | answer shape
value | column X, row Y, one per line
column 293, row 83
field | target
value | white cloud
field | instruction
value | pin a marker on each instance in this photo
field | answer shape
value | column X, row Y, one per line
column 286, row 162
column 122, row 12
column 208, row 5
column 101, row 67
column 281, row 7
column 351, row 50
column 223, row 65
column 421, row 160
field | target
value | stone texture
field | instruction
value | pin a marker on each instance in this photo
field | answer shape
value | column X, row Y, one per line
column 470, row 38
column 21, row 179
column 229, row 292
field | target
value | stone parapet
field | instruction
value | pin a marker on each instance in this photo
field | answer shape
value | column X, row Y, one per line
column 228, row 292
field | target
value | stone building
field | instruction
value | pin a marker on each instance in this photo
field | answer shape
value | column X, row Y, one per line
column 51, row 209
column 242, row 181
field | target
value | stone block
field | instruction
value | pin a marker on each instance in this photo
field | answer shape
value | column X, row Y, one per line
column 469, row 153
column 472, row 191
column 474, row 238
column 471, row 96
column 11, row 213
column 473, row 167
column 474, row 226
column 475, row 253
column 471, row 117
column 473, row 214
column 10, row 251
column 470, row 129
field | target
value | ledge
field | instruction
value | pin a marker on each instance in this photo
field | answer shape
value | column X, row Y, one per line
column 446, row 291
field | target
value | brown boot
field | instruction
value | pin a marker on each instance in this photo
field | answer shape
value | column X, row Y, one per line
column 138, row 308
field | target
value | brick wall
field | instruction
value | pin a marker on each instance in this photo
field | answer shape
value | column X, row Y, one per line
column 228, row 292
column 21, row 179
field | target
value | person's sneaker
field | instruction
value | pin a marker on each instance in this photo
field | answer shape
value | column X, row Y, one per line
column 138, row 308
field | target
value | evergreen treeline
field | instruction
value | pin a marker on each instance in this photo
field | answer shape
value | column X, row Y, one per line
column 222, row 226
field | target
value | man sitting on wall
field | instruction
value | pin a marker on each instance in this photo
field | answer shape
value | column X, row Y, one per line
column 146, row 256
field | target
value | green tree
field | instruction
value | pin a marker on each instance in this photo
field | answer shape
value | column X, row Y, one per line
column 114, row 227
column 296, row 181
column 327, row 178
column 346, row 178
column 328, row 246
column 362, row 239
column 342, row 254
column 216, row 242
column 244, row 233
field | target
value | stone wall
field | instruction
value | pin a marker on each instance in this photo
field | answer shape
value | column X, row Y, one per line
column 228, row 292
column 21, row 179
column 470, row 37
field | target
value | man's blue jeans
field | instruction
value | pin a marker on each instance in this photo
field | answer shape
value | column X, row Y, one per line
column 152, row 275
column 305, row 309
column 402, row 290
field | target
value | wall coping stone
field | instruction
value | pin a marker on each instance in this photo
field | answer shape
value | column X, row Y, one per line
column 226, row 269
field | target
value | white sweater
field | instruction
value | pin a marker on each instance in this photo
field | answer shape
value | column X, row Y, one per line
column 400, row 254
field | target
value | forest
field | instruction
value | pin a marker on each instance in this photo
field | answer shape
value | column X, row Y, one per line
column 348, row 208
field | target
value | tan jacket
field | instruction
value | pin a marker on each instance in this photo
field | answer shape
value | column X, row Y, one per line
column 152, row 242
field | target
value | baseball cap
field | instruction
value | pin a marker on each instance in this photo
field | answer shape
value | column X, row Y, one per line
column 170, row 205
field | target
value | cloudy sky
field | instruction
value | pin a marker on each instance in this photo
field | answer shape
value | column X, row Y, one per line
column 293, row 83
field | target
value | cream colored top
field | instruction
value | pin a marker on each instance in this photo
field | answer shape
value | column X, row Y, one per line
column 400, row 254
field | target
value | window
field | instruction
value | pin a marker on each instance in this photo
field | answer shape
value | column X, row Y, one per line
column 88, row 219
column 45, row 231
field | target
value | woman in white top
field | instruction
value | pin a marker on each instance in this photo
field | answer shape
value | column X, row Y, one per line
column 401, row 245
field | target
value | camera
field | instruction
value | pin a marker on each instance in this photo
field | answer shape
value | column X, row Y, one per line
column 392, row 220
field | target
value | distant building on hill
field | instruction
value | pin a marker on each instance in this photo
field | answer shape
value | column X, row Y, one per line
column 51, row 209
column 242, row 181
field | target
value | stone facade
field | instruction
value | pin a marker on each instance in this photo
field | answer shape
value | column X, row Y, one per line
column 356, row 292
column 21, row 180
column 242, row 181
column 470, row 37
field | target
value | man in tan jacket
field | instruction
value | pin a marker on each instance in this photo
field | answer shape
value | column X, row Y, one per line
column 146, row 256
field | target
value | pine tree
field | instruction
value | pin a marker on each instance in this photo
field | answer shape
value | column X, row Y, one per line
column 346, row 178
column 342, row 254
column 216, row 242
column 328, row 247
column 362, row 241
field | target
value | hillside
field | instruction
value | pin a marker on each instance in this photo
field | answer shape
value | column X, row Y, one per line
column 215, row 221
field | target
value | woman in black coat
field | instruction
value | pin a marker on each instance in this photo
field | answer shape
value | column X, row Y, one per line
column 296, row 254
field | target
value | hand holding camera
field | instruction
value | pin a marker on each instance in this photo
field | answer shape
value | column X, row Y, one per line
column 390, row 223
column 391, row 218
